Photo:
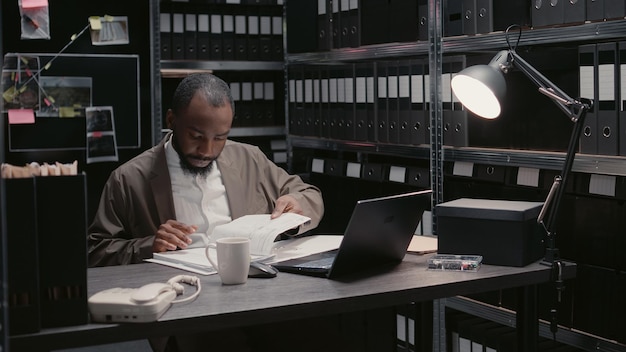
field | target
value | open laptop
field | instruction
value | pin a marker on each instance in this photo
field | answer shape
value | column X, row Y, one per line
column 378, row 233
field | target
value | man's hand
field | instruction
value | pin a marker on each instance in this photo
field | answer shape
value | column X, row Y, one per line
column 286, row 204
column 172, row 235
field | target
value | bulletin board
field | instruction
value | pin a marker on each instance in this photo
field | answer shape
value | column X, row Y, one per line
column 115, row 82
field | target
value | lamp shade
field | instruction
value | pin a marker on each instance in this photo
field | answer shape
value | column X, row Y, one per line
column 481, row 88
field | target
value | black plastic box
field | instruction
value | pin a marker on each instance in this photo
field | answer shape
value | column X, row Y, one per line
column 503, row 232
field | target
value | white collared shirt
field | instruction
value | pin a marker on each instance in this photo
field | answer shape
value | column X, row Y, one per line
column 198, row 200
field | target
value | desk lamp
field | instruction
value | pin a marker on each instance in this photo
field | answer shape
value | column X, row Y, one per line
column 481, row 88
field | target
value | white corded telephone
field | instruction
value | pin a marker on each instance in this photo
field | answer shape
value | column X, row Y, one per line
column 143, row 304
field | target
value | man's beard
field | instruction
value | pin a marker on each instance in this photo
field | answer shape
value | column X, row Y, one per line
column 189, row 169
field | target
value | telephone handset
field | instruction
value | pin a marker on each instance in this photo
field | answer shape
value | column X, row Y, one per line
column 144, row 304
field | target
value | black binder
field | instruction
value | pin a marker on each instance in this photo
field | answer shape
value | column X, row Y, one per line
column 404, row 102
column 203, row 44
column 349, row 113
column 270, row 115
column 324, row 32
column 235, row 90
column 336, row 24
column 22, row 256
column 354, row 24
column 362, row 71
column 452, row 18
column 420, row 120
column 393, row 119
column 301, row 19
column 484, row 16
column 382, row 105
column 165, row 24
column 253, row 35
column 510, row 12
column 309, row 105
column 418, row 176
column 241, row 37
column 615, row 9
column 178, row 34
column 217, row 45
column 370, row 90
column 336, row 91
column 258, row 99
column 556, row 12
column 191, row 35
column 588, row 88
column 325, row 104
column 277, row 38
column 622, row 98
column 344, row 20
column 469, row 18
column 297, row 102
column 459, row 115
column 316, row 107
column 279, row 99
column 403, row 19
column 446, row 99
column 62, row 254
column 265, row 35
column 247, row 101
column 574, row 11
column 595, row 10
column 422, row 23
column 228, row 36
column 540, row 14
column 607, row 113
column 374, row 22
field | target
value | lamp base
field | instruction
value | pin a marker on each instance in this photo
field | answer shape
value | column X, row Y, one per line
column 552, row 256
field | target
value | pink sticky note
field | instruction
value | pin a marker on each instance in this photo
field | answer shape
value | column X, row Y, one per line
column 21, row 116
column 29, row 4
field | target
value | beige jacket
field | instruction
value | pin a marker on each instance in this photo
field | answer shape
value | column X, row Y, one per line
column 137, row 198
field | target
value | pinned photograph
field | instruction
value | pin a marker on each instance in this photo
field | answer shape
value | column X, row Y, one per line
column 64, row 96
column 109, row 30
column 101, row 142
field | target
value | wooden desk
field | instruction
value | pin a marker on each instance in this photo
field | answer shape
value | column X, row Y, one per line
column 290, row 296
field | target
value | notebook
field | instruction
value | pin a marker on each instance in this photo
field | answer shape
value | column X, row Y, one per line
column 378, row 233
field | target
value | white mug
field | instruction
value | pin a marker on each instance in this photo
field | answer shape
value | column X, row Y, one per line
column 233, row 259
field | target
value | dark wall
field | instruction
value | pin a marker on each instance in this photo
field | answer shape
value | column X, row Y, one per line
column 69, row 17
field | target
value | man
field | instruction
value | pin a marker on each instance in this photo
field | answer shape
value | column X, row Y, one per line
column 173, row 195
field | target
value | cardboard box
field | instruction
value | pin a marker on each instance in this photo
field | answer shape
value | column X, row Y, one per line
column 503, row 232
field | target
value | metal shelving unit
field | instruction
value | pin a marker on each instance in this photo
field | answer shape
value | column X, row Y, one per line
column 587, row 32
column 182, row 68
column 435, row 49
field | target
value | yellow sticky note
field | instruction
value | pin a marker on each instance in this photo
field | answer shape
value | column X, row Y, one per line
column 67, row 111
column 95, row 23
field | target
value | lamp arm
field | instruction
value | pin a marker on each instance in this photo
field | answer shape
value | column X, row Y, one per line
column 570, row 106
column 553, row 201
column 576, row 111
